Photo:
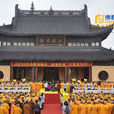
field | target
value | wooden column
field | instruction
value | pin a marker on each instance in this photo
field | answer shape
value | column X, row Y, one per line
column 36, row 74
column 32, row 73
column 90, row 74
column 65, row 75
column 68, row 73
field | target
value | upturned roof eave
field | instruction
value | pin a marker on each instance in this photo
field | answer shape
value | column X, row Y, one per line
column 90, row 33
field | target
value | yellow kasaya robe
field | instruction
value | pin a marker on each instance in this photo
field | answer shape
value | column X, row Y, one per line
column 74, row 109
column 12, row 108
column 71, row 104
column 6, row 106
column 17, row 110
column 82, row 109
column 78, row 102
column 3, row 110
column 102, row 109
column 41, row 85
column 109, row 105
column 29, row 99
column 94, row 109
column 62, row 84
column 34, row 99
column 112, row 111
column 37, row 87
column 89, row 108
column 33, row 87
column 67, row 87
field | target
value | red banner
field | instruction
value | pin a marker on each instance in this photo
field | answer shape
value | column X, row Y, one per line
column 51, row 64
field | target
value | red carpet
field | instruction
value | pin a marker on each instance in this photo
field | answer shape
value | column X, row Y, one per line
column 52, row 109
column 52, row 104
column 52, row 98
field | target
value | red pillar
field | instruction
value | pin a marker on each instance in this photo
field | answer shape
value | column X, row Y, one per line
column 36, row 74
column 65, row 79
column 32, row 73
column 68, row 73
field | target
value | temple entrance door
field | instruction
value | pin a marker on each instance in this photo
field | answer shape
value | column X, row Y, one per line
column 22, row 72
column 51, row 73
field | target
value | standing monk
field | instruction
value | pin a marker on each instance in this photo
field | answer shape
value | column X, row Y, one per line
column 12, row 108
column 82, row 108
column 2, row 109
column 27, row 109
column 74, row 109
column 6, row 106
column 89, row 108
column 17, row 109
column 103, row 109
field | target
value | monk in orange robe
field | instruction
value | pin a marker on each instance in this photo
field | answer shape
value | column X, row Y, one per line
column 82, row 108
column 102, row 109
column 94, row 109
column 112, row 111
column 89, row 108
column 2, row 110
column 12, row 108
column 17, row 110
column 74, row 109
column 6, row 106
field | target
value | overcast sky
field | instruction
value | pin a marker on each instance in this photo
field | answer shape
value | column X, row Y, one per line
column 7, row 9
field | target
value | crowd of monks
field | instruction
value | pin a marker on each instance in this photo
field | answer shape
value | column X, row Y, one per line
column 81, row 103
column 18, row 103
column 91, row 103
column 34, row 86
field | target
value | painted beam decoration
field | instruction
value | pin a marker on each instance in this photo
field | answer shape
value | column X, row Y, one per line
column 51, row 64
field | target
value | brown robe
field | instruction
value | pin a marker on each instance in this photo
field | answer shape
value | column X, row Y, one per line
column 112, row 112
column 27, row 109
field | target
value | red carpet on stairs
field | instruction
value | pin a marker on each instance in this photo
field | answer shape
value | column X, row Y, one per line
column 52, row 104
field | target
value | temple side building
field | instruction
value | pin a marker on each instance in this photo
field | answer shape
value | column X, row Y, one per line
column 54, row 45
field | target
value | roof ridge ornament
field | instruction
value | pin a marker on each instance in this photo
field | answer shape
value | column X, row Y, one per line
column 51, row 8
column 16, row 10
column 32, row 8
column 85, row 10
column 51, row 12
column 85, row 6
